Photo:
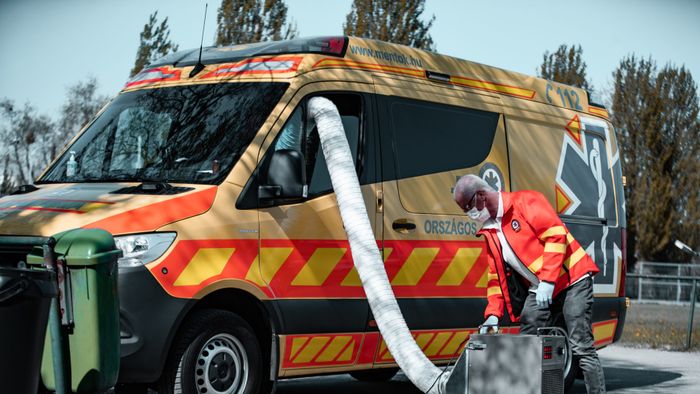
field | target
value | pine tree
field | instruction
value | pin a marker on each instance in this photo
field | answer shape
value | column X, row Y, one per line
column 155, row 43
column 246, row 21
column 392, row 21
column 656, row 116
column 565, row 65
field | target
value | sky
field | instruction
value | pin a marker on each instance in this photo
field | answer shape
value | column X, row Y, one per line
column 47, row 46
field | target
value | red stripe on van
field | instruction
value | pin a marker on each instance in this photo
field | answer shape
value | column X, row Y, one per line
column 156, row 215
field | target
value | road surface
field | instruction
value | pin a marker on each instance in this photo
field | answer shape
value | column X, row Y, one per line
column 627, row 370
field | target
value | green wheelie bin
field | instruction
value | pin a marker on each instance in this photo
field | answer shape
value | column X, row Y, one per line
column 92, row 341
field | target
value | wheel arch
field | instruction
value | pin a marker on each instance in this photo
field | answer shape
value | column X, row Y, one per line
column 264, row 320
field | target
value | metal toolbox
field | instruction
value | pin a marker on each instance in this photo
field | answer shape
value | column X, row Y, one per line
column 511, row 364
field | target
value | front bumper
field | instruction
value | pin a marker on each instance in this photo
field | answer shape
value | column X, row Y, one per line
column 149, row 318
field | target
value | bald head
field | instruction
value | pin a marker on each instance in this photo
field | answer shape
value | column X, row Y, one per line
column 467, row 186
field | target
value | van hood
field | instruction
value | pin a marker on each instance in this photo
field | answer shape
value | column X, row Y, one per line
column 109, row 206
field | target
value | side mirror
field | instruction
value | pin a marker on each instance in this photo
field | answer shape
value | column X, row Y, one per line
column 285, row 178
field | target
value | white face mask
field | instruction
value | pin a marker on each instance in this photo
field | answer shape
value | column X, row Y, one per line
column 479, row 216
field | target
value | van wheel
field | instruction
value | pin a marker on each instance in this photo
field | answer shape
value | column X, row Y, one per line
column 215, row 353
column 573, row 373
column 375, row 375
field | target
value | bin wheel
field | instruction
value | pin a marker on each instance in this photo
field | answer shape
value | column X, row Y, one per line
column 215, row 353
column 375, row 375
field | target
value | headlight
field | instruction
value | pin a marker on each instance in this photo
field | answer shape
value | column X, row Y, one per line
column 141, row 249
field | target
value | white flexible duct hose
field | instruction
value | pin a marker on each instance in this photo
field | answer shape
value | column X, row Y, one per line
column 365, row 253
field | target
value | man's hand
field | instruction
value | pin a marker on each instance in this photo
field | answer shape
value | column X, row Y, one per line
column 491, row 323
column 544, row 293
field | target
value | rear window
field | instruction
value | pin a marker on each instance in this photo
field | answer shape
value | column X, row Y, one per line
column 185, row 134
column 431, row 138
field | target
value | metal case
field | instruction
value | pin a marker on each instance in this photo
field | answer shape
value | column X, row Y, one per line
column 510, row 364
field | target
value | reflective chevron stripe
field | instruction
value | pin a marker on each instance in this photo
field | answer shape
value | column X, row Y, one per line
column 552, row 247
column 552, row 231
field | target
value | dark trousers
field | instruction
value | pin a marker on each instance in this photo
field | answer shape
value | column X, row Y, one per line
column 573, row 307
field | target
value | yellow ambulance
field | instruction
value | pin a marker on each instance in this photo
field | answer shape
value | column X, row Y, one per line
column 237, row 270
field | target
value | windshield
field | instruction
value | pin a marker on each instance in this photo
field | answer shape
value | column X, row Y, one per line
column 185, row 134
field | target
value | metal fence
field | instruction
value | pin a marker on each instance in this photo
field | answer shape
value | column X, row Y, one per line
column 667, row 288
column 693, row 282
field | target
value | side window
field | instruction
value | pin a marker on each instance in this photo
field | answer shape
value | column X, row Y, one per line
column 431, row 138
column 300, row 134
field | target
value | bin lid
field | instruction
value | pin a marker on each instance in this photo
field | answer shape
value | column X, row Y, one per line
column 82, row 247
column 16, row 282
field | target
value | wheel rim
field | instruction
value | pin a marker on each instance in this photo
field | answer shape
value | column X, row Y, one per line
column 222, row 366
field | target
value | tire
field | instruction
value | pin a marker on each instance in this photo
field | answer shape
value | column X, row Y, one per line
column 573, row 373
column 216, row 352
column 375, row 375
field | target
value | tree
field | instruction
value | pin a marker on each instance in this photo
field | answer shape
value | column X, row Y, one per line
column 82, row 104
column 656, row 116
column 565, row 65
column 393, row 21
column 246, row 21
column 155, row 43
column 27, row 136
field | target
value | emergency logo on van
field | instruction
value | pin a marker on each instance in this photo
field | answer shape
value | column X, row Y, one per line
column 584, row 188
column 493, row 176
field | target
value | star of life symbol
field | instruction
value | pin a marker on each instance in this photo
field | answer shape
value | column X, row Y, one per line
column 585, row 165
column 490, row 173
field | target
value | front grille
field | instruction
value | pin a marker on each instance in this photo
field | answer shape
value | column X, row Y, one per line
column 553, row 381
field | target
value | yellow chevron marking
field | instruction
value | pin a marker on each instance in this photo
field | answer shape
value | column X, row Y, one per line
column 453, row 346
column 553, row 247
column 206, row 263
column 484, row 280
column 415, row 266
column 459, row 267
column 311, row 350
column 536, row 265
column 384, row 356
column 556, row 230
column 569, row 239
column 297, row 344
column 319, row 266
column 335, row 347
column 422, row 339
column 272, row 258
column 347, row 354
column 603, row 331
column 353, row 278
column 437, row 344
column 494, row 290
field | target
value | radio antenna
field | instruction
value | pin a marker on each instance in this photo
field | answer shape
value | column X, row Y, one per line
column 199, row 66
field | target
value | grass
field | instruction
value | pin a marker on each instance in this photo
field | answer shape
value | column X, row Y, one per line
column 660, row 326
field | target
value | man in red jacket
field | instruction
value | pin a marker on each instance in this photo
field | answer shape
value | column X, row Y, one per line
column 537, row 270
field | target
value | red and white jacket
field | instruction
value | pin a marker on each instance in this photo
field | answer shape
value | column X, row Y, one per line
column 540, row 240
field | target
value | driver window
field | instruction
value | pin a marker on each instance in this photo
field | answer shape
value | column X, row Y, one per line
column 300, row 134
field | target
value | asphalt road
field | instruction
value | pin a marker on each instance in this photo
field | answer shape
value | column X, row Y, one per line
column 627, row 370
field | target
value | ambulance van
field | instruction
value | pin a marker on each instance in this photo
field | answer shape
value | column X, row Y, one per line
column 236, row 269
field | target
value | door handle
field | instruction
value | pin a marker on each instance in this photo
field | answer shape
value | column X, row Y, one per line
column 403, row 225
